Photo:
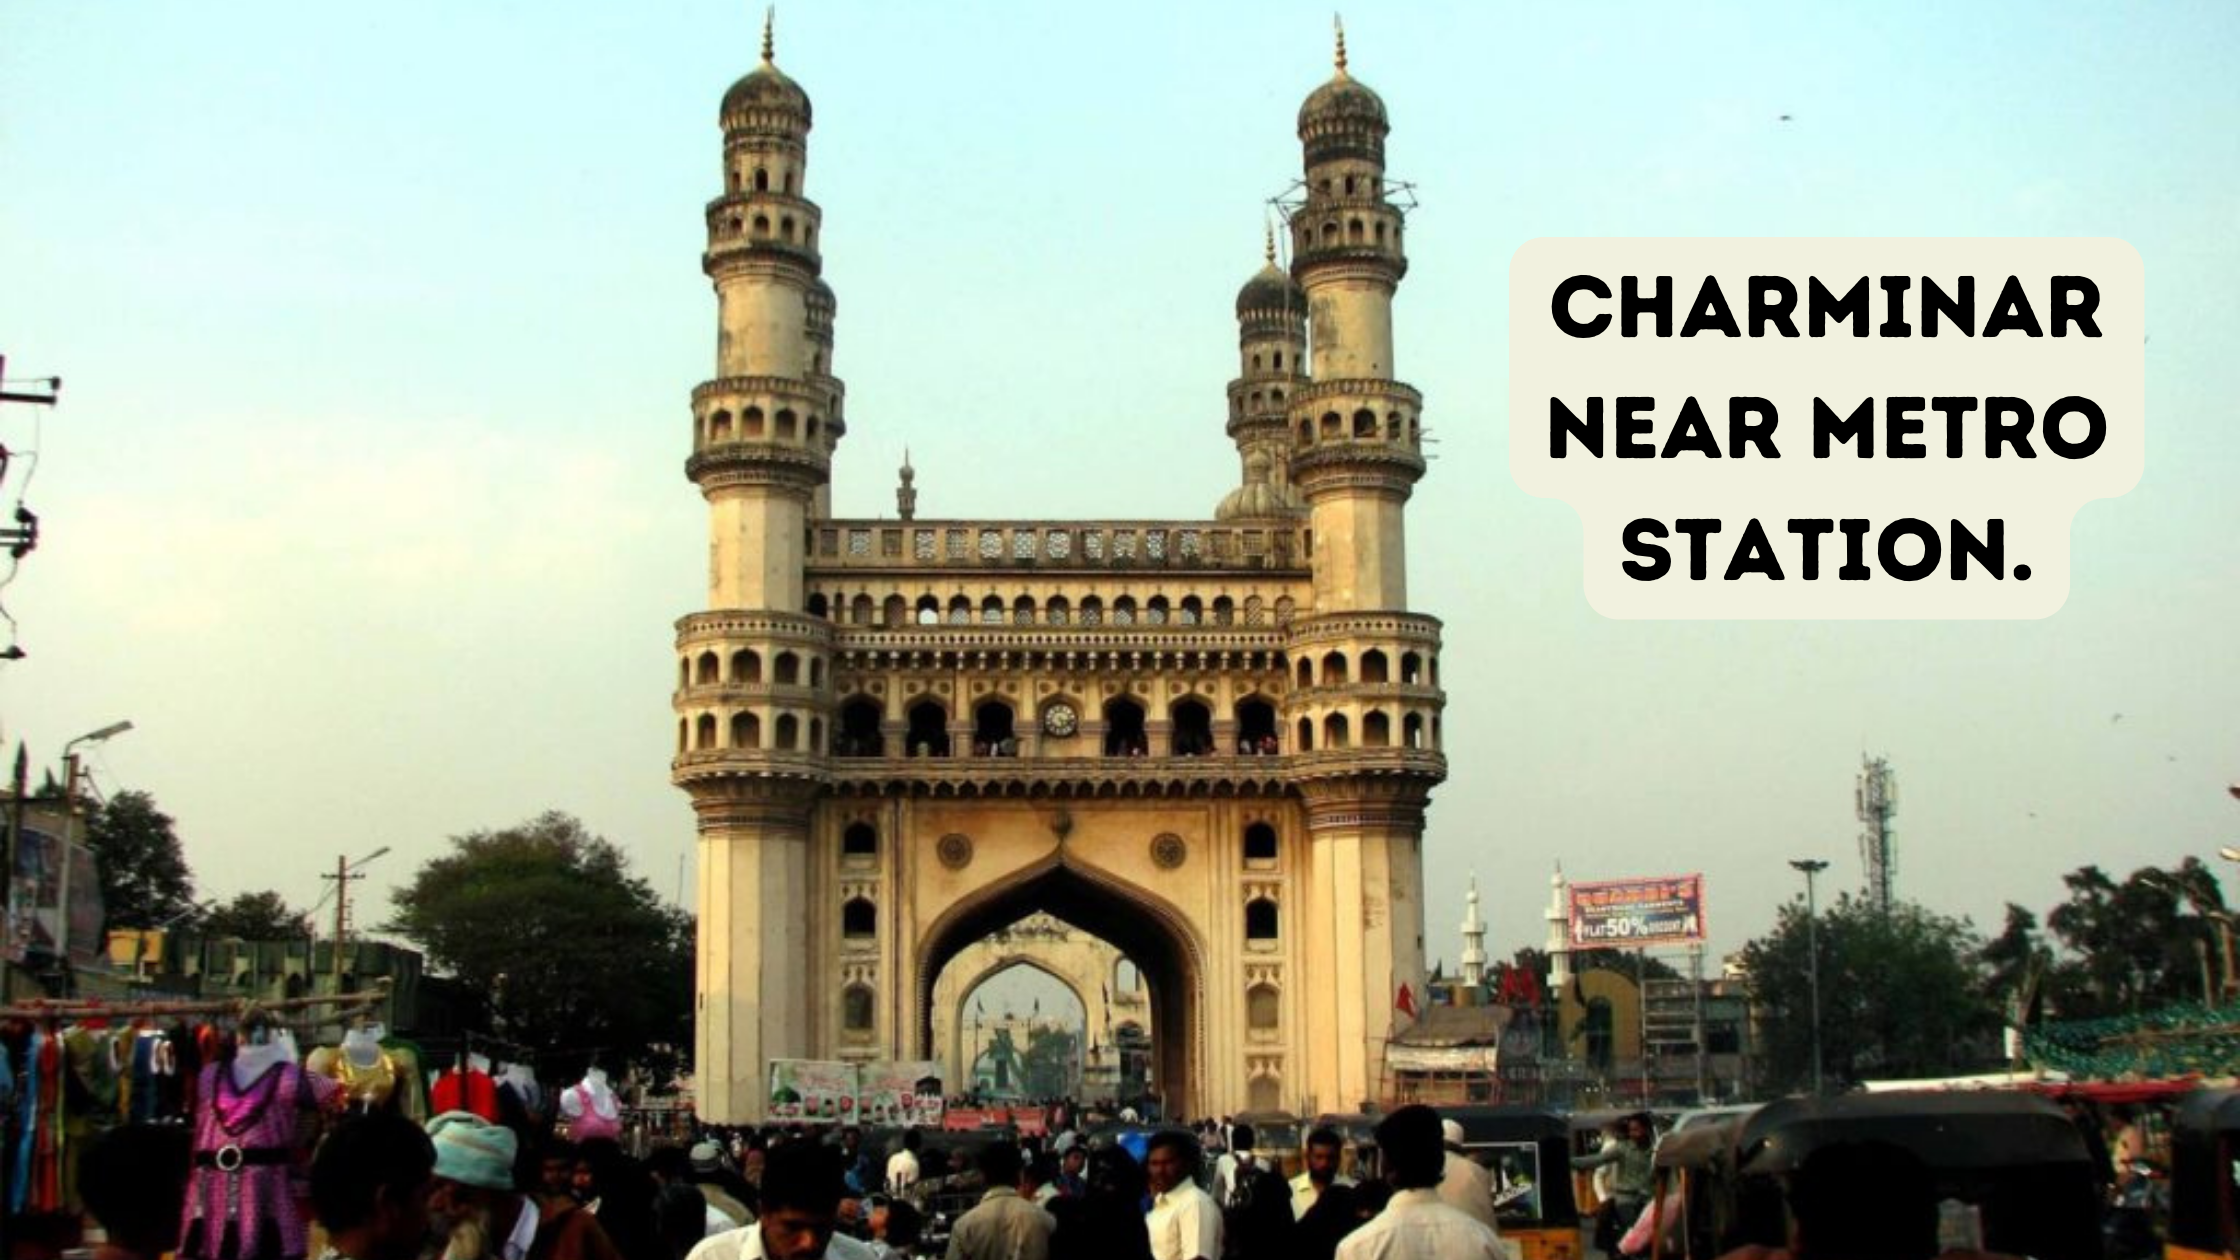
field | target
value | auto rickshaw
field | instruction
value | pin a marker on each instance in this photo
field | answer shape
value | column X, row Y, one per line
column 1528, row 1152
column 1358, row 1158
column 1278, row 1136
column 2204, row 1143
column 1586, row 1139
column 2011, row 1171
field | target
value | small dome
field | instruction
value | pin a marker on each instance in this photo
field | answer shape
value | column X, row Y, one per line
column 767, row 87
column 1258, row 499
column 1272, row 289
column 1343, row 99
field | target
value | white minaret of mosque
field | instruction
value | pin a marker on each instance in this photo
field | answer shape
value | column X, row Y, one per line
column 1559, row 930
column 1473, row 940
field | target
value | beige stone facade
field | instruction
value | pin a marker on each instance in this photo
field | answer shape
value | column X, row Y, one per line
column 1209, row 742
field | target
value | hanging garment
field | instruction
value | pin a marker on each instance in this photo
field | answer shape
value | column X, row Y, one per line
column 412, row 1079
column 45, row 1191
column 465, row 1091
column 239, row 1203
column 592, row 1110
column 27, row 1127
column 89, row 1088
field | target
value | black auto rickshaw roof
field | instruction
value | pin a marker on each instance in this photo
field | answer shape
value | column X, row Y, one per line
column 1506, row 1123
column 1949, row 1130
column 1700, row 1145
column 2208, row 1111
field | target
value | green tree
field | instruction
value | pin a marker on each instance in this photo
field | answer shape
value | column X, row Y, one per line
column 574, row 952
column 2016, row 963
column 1048, row 1065
column 145, row 882
column 1902, row 994
column 254, row 916
column 2137, row 945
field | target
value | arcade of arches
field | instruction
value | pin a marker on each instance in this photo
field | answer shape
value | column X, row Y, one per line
column 1209, row 743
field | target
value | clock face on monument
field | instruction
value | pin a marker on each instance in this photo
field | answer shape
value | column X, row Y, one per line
column 1060, row 720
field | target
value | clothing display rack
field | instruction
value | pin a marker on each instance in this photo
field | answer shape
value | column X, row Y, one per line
column 348, row 1004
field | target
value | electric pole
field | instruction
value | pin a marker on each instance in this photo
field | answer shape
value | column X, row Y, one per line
column 345, row 871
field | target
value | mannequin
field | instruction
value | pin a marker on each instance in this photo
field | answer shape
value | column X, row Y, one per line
column 368, row 1074
column 591, row 1108
column 248, row 1126
column 261, row 1047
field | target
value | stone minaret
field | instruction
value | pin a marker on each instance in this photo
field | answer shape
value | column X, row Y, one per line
column 1357, row 448
column 1272, row 367
column 1473, row 939
column 906, row 490
column 1363, row 715
column 752, row 692
column 1559, row 930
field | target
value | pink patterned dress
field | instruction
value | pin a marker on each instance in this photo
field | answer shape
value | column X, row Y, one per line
column 240, row 1205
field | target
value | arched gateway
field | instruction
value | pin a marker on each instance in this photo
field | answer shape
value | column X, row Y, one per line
column 1208, row 742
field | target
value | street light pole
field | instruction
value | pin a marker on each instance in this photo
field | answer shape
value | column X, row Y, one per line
column 1811, row 867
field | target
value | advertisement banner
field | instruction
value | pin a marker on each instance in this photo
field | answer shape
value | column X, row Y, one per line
column 1633, row 913
column 900, row 1094
column 35, row 896
column 812, row 1091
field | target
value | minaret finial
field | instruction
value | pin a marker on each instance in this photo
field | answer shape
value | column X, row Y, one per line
column 770, row 38
column 1269, row 251
column 1338, row 23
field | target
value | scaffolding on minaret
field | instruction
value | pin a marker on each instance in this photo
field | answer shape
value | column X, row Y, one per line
column 1877, row 797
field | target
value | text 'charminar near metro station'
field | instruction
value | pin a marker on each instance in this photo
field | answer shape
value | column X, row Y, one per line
column 1207, row 744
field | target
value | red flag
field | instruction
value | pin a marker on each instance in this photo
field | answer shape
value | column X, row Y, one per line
column 1406, row 1002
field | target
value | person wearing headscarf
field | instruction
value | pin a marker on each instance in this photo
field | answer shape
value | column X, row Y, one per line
column 483, row 1215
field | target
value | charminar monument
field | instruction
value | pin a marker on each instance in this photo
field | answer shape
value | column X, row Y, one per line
column 1208, row 742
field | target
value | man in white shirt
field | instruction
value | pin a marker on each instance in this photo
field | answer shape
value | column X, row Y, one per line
column 1465, row 1185
column 1184, row 1221
column 801, row 1188
column 1416, row 1225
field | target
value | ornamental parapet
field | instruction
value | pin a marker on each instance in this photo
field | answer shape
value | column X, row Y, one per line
column 1366, row 692
column 1380, row 262
column 1358, row 387
column 790, row 695
column 689, row 768
column 1100, row 546
column 817, row 391
column 1060, row 776
column 723, row 625
column 1328, row 770
column 1330, row 467
column 1334, row 627
column 738, row 254
column 723, row 464
column 1061, row 641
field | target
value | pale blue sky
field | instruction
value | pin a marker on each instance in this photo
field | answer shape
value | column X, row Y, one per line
column 365, row 501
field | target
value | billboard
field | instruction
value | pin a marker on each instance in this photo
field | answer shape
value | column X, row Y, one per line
column 1633, row 913
column 899, row 1094
column 812, row 1091
column 824, row 1091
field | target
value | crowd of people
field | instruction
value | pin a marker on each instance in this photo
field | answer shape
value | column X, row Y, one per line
column 460, row 1187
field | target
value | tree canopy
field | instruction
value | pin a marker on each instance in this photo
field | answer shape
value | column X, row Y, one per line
column 576, row 954
column 145, row 882
column 1903, row 993
column 2140, row 944
column 254, row 916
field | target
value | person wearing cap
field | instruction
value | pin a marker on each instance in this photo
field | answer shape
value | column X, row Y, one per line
column 1415, row 1224
column 902, row 1166
column 484, row 1217
column 704, row 1168
column 1464, row 1184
